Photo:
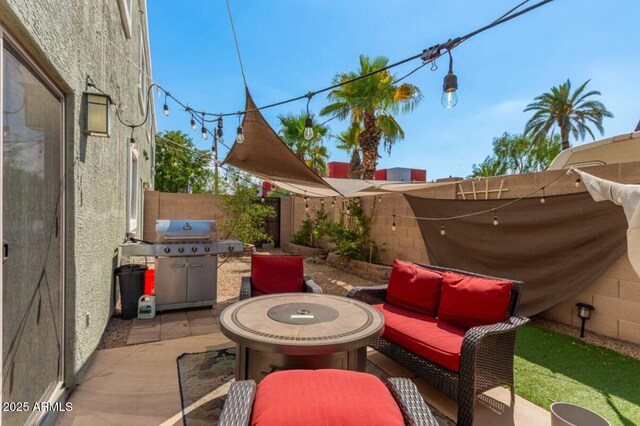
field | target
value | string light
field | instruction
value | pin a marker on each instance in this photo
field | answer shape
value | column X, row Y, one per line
column 219, row 130
column 577, row 182
column 240, row 137
column 393, row 225
column 442, row 230
column 379, row 198
column 543, row 199
column 193, row 123
column 333, row 202
column 450, row 86
column 308, row 122
column 306, row 205
column 204, row 133
column 495, row 219
column 165, row 108
column 322, row 202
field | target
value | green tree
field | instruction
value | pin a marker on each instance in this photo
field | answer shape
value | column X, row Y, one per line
column 179, row 163
column 514, row 154
column 312, row 152
column 348, row 141
column 372, row 102
column 244, row 214
column 571, row 112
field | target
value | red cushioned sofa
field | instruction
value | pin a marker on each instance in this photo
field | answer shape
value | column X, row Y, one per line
column 453, row 328
column 325, row 397
column 276, row 274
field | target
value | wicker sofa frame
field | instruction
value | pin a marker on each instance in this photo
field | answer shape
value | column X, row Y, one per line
column 239, row 403
column 309, row 287
column 486, row 359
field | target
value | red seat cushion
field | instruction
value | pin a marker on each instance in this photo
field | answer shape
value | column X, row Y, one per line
column 424, row 335
column 277, row 274
column 324, row 397
column 414, row 287
column 468, row 301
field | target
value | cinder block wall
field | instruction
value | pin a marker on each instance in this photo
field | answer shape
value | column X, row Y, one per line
column 162, row 205
column 615, row 295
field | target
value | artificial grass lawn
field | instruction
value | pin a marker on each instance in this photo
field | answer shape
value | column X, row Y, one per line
column 551, row 367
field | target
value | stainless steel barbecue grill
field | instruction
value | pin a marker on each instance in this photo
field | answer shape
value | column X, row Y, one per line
column 186, row 253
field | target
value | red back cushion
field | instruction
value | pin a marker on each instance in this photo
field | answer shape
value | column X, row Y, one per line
column 324, row 397
column 471, row 301
column 277, row 274
column 414, row 288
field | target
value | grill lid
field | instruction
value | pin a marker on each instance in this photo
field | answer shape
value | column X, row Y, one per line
column 174, row 231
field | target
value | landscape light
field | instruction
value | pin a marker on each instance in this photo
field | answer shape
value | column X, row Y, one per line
column 584, row 312
column 450, row 86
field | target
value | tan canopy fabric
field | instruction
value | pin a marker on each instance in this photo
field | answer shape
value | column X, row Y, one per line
column 556, row 248
column 627, row 196
column 266, row 156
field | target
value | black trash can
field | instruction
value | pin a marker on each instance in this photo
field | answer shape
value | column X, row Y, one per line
column 131, row 279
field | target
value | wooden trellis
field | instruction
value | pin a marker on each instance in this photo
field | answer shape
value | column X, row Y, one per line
column 486, row 191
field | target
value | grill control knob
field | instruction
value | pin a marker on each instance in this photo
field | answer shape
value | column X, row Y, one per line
column 167, row 249
column 194, row 249
column 207, row 249
column 180, row 249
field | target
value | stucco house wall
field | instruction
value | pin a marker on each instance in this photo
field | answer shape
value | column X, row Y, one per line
column 72, row 40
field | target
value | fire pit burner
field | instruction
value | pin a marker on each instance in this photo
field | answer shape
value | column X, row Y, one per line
column 302, row 313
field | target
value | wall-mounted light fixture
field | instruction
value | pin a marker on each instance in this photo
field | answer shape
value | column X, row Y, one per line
column 584, row 312
column 98, row 114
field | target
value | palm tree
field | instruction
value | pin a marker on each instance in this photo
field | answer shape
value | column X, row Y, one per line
column 372, row 102
column 348, row 141
column 312, row 151
column 572, row 113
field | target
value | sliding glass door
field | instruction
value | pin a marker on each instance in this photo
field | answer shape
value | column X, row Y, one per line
column 32, row 234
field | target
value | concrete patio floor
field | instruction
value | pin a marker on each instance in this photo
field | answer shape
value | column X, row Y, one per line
column 138, row 384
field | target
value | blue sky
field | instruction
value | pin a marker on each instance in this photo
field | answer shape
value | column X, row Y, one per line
column 290, row 47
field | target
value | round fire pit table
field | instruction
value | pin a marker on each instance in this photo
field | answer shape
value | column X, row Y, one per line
column 300, row 331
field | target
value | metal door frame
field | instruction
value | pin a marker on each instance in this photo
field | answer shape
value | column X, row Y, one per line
column 54, row 392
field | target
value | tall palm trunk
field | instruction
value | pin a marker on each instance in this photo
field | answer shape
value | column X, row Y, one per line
column 355, row 165
column 369, row 140
column 564, row 133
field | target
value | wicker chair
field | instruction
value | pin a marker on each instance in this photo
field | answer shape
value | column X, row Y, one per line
column 486, row 359
column 246, row 286
column 238, row 406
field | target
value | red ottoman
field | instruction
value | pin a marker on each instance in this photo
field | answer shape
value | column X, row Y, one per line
column 324, row 397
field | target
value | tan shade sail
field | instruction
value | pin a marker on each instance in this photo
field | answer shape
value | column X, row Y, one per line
column 264, row 155
column 557, row 248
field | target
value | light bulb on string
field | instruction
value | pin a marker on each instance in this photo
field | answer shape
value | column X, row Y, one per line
column 308, row 122
column 442, row 230
column 165, row 108
column 322, row 202
column 495, row 219
column 577, row 182
column 240, row 137
column 542, row 198
column 393, row 224
column 450, row 86
column 219, row 130
column 333, row 202
column 193, row 123
column 204, row 133
column 379, row 198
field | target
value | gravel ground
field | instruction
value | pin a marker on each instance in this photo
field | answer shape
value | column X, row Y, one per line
column 116, row 333
column 332, row 281
column 625, row 348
